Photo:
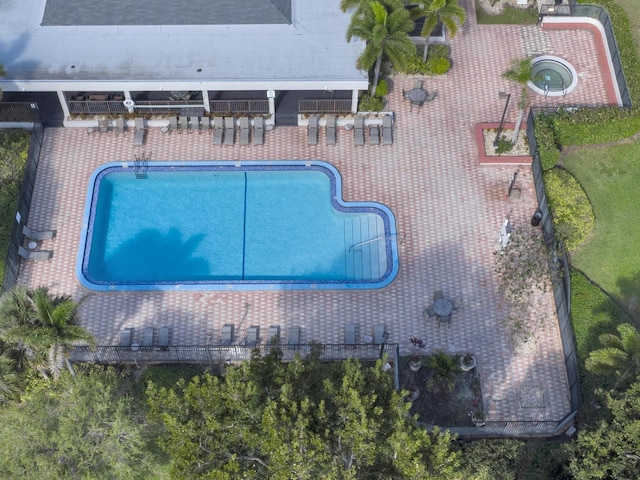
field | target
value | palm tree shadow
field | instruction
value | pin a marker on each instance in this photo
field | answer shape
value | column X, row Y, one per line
column 630, row 294
column 152, row 255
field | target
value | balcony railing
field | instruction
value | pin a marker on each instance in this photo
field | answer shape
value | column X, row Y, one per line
column 239, row 106
column 324, row 106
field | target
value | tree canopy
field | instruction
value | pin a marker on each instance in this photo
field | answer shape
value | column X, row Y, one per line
column 304, row 419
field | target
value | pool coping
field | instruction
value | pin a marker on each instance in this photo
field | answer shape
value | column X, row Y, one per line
column 336, row 199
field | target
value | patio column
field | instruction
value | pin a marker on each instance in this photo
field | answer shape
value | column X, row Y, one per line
column 354, row 101
column 205, row 100
column 271, row 96
column 63, row 104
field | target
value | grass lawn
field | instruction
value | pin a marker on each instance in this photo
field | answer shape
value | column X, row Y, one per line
column 632, row 7
column 611, row 257
column 509, row 16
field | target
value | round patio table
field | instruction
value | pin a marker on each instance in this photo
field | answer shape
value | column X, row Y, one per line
column 417, row 95
column 443, row 307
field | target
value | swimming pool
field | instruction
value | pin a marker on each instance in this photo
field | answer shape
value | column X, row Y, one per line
column 225, row 226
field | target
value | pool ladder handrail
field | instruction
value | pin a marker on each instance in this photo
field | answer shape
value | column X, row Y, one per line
column 140, row 165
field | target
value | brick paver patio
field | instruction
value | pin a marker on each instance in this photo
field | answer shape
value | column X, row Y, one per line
column 448, row 211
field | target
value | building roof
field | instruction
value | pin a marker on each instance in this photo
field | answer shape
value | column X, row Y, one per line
column 311, row 47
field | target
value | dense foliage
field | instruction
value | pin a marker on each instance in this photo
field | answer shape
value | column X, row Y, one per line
column 78, row 427
column 304, row 419
column 491, row 459
column 438, row 62
column 573, row 217
column 547, row 141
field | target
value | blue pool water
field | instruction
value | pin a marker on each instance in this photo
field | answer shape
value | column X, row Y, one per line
column 220, row 226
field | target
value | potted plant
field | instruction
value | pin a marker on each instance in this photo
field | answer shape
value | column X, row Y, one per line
column 415, row 361
column 479, row 418
column 467, row 362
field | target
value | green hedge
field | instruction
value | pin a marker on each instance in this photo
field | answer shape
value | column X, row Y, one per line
column 437, row 63
column 601, row 125
column 546, row 138
column 573, row 217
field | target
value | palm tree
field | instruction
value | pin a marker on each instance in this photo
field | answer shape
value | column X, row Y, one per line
column 521, row 72
column 385, row 26
column 447, row 12
column 42, row 326
column 9, row 378
column 620, row 355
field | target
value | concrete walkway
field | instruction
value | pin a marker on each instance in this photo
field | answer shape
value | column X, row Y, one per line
column 448, row 210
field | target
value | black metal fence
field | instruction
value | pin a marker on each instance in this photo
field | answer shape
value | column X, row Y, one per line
column 600, row 14
column 239, row 106
column 25, row 113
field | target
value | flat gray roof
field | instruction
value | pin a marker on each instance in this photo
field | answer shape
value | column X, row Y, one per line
column 312, row 48
column 166, row 12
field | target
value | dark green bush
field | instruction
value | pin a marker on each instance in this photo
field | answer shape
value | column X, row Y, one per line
column 547, row 142
column 573, row 217
column 437, row 63
column 382, row 89
column 600, row 125
column 368, row 103
column 491, row 459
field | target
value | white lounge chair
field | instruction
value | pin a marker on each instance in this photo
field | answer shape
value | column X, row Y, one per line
column 229, row 130
column 218, row 130
column 358, row 130
column 205, row 124
column 126, row 337
column 374, row 135
column 194, row 124
column 312, row 131
column 253, row 336
column 120, row 126
column 273, row 334
column 350, row 334
column 226, row 334
column 387, row 133
column 38, row 235
column 294, row 336
column 244, row 131
column 258, row 130
column 183, row 124
column 331, row 129
column 164, row 338
column 138, row 136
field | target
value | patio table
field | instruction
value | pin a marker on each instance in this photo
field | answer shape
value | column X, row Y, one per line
column 417, row 96
column 443, row 307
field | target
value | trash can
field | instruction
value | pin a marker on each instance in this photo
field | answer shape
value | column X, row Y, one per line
column 535, row 220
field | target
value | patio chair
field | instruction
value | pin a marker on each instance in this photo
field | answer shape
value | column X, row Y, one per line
column 194, row 124
column 229, row 130
column 138, row 136
column 331, row 129
column 183, row 124
column 244, row 130
column 446, row 319
column 387, row 133
column 258, row 130
column 350, row 334
column 253, row 336
column 147, row 337
column 374, row 135
column 38, row 235
column 273, row 335
column 294, row 336
column 217, row 130
column 437, row 295
column 358, row 130
column 103, row 126
column 431, row 96
column 312, row 131
column 164, row 338
column 417, row 84
column 173, row 124
column 120, row 126
column 429, row 312
column 226, row 334
column 126, row 337
column 35, row 255
column 205, row 124
column 380, row 335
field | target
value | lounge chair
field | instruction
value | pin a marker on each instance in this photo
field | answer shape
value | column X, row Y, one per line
column 217, row 131
column 35, row 255
column 253, row 335
column 312, row 131
column 374, row 135
column 244, row 130
column 120, row 126
column 103, row 126
column 194, row 124
column 183, row 124
column 226, row 334
column 126, row 337
column 387, row 133
column 258, row 130
column 164, row 338
column 205, row 124
column 229, row 130
column 138, row 136
column 350, row 334
column 147, row 337
column 294, row 336
column 38, row 235
column 380, row 335
column 331, row 129
column 358, row 130
column 273, row 335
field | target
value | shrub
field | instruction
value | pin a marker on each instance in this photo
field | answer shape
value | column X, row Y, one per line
column 370, row 104
column 573, row 217
column 437, row 63
column 382, row 88
column 600, row 125
column 547, row 142
column 491, row 459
